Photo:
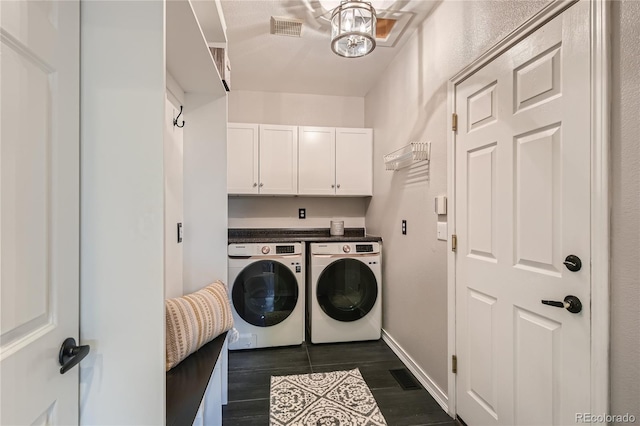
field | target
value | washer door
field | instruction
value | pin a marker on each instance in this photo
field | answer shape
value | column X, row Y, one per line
column 265, row 293
column 347, row 290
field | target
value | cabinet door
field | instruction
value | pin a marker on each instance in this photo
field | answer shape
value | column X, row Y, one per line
column 354, row 161
column 316, row 161
column 242, row 158
column 278, row 160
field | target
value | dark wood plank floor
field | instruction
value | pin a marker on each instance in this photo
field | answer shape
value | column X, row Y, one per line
column 250, row 372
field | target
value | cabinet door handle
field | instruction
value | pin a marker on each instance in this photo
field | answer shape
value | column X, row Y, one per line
column 261, row 185
column 333, row 186
column 255, row 184
column 338, row 186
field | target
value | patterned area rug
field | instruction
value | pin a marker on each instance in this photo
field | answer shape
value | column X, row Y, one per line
column 337, row 398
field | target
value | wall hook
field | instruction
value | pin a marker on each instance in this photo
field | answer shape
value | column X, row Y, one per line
column 175, row 120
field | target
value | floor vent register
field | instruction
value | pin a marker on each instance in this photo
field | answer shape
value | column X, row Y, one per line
column 405, row 379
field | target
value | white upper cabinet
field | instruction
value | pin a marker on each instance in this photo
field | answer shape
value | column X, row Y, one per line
column 278, row 165
column 335, row 161
column 262, row 159
column 290, row 160
column 242, row 158
column 354, row 161
column 317, row 161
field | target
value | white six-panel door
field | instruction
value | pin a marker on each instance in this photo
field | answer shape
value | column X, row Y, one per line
column 523, row 205
column 39, row 151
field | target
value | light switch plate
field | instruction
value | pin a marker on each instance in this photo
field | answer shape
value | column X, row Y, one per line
column 442, row 231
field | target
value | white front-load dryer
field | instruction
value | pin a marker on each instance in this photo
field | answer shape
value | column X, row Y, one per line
column 345, row 292
column 267, row 294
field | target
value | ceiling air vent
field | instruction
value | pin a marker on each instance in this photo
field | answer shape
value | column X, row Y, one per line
column 286, row 26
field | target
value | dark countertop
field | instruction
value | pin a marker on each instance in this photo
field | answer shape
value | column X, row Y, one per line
column 187, row 382
column 287, row 235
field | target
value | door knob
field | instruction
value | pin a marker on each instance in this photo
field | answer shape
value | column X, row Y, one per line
column 70, row 354
column 570, row 303
column 573, row 263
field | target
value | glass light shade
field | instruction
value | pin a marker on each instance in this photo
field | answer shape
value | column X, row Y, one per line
column 353, row 29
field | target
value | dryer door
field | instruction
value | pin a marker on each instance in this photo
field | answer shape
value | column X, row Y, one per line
column 347, row 290
column 265, row 293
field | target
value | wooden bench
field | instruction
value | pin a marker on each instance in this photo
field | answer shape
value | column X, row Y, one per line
column 196, row 388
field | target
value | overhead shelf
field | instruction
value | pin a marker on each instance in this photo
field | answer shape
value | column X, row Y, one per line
column 407, row 155
column 189, row 60
column 211, row 18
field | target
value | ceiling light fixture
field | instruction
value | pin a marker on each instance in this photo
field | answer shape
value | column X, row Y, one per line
column 353, row 29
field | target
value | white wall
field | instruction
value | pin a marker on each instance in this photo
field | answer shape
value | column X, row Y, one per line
column 205, row 191
column 282, row 212
column 122, row 381
column 410, row 103
column 298, row 110
column 295, row 109
column 625, row 211
column 173, row 199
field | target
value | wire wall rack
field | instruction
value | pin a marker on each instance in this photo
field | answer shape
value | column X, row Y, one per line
column 407, row 155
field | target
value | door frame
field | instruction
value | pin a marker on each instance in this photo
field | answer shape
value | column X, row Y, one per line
column 600, row 200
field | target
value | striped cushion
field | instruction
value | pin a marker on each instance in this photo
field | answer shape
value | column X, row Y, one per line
column 195, row 319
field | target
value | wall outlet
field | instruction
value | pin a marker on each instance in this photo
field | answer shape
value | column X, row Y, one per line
column 442, row 231
column 302, row 213
column 404, row 227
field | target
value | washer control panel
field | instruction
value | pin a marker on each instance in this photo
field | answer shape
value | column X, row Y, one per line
column 285, row 249
column 265, row 249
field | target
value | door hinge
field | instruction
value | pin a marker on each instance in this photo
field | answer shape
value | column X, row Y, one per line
column 454, row 242
column 454, row 122
column 454, row 364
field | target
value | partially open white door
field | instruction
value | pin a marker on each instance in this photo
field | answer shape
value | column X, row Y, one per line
column 522, row 209
column 39, row 165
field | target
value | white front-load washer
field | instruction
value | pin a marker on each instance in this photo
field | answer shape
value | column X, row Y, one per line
column 345, row 292
column 267, row 294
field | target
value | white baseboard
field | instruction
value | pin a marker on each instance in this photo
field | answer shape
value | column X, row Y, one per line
column 424, row 379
